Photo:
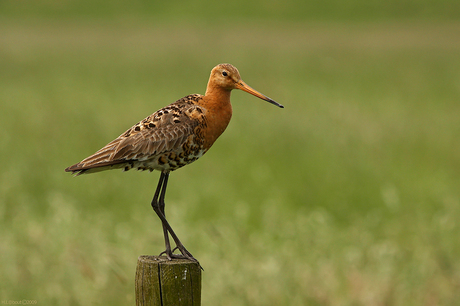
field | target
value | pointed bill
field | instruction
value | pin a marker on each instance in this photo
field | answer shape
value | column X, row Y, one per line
column 245, row 87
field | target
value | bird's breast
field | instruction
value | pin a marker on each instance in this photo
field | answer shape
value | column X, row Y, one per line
column 217, row 119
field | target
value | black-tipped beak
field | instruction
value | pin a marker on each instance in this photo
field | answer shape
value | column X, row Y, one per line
column 245, row 87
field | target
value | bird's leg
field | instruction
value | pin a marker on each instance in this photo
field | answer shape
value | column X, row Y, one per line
column 159, row 209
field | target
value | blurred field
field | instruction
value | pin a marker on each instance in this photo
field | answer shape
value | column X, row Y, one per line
column 348, row 196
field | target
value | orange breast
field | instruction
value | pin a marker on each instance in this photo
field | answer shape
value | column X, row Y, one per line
column 217, row 117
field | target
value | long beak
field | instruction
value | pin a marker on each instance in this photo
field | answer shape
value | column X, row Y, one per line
column 245, row 87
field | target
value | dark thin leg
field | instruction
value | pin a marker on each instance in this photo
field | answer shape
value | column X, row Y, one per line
column 158, row 207
column 161, row 206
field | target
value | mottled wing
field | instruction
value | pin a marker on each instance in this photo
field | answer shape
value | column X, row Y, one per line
column 164, row 131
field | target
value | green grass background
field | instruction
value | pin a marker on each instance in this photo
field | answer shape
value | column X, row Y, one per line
column 348, row 196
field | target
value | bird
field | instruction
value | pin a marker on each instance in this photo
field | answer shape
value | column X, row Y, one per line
column 172, row 137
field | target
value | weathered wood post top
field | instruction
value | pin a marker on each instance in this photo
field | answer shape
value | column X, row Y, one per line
column 163, row 282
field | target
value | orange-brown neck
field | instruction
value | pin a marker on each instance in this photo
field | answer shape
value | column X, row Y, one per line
column 218, row 112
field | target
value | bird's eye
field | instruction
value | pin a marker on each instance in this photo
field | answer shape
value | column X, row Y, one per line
column 224, row 73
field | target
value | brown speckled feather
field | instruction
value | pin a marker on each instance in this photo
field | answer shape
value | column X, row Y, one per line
column 165, row 140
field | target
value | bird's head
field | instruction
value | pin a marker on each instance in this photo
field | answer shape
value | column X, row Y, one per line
column 227, row 77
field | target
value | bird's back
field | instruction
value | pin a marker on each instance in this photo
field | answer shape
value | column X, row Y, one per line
column 170, row 138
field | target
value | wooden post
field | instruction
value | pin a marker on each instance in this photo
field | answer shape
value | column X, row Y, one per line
column 163, row 282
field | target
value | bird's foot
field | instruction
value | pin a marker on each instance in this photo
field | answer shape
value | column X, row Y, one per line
column 167, row 253
column 184, row 255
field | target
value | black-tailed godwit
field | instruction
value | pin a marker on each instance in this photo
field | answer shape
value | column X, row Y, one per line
column 171, row 138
